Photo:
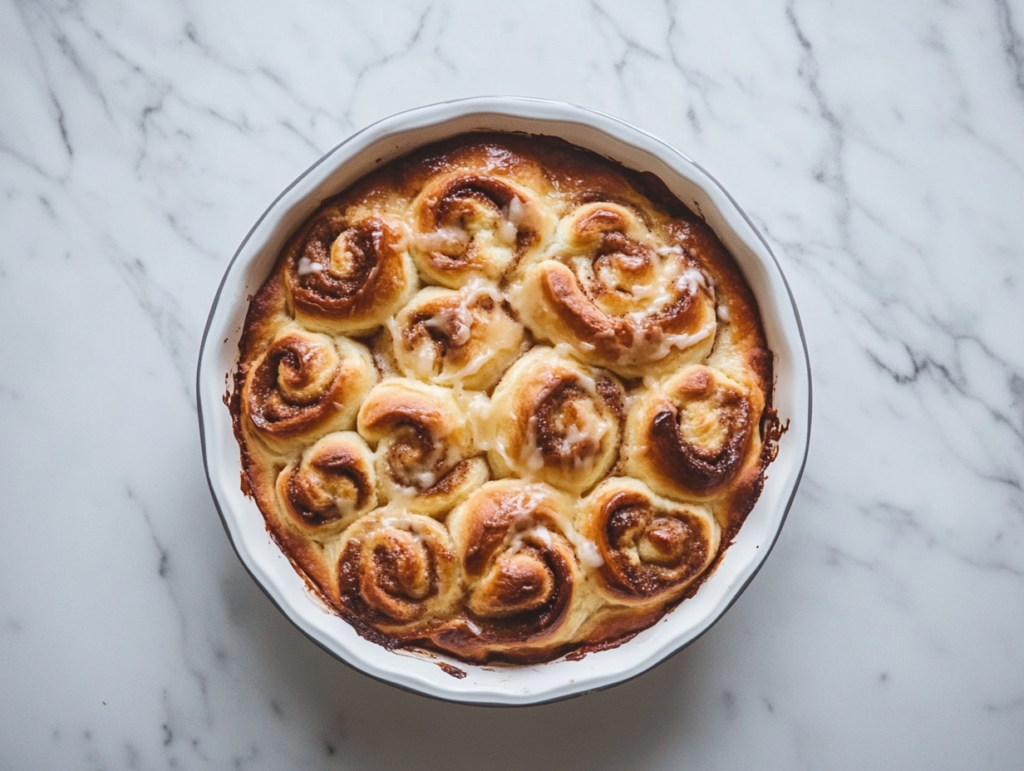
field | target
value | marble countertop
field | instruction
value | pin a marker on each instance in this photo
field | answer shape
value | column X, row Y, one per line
column 876, row 145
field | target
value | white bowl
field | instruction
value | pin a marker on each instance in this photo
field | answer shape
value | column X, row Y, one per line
column 359, row 154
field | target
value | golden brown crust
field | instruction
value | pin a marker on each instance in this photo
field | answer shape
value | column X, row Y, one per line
column 513, row 308
column 691, row 434
column 464, row 338
column 332, row 484
column 652, row 548
column 397, row 572
column 424, row 445
column 346, row 276
column 521, row 570
column 556, row 420
column 305, row 383
column 472, row 225
column 620, row 288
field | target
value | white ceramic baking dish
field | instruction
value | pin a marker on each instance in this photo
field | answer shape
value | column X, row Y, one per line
column 419, row 671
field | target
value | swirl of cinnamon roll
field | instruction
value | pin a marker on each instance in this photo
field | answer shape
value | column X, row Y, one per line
column 652, row 548
column 625, row 297
column 689, row 435
column 471, row 226
column 305, row 383
column 457, row 338
column 332, row 484
column 555, row 420
column 424, row 444
column 347, row 277
column 511, row 541
column 397, row 572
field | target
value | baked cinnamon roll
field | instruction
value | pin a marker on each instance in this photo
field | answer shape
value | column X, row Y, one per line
column 465, row 338
column 651, row 548
column 509, row 308
column 332, row 484
column 690, row 435
column 347, row 277
column 626, row 298
column 472, row 225
column 555, row 420
column 521, row 570
column 425, row 453
column 305, row 384
column 397, row 572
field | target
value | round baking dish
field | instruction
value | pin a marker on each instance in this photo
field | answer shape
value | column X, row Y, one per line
column 430, row 673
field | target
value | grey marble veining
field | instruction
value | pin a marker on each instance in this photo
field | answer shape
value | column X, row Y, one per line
column 877, row 146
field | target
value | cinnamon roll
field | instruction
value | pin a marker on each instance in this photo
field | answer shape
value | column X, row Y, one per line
column 505, row 399
column 521, row 570
column 347, row 277
column 425, row 453
column 305, row 384
column 651, row 548
column 472, row 225
column 625, row 297
column 690, row 435
column 555, row 420
column 397, row 572
column 332, row 484
column 464, row 338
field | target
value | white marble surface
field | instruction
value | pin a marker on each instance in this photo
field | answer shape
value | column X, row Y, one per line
column 880, row 147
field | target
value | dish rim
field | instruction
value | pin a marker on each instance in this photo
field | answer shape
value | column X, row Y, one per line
column 351, row 649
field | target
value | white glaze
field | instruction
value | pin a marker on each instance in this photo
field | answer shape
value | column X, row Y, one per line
column 446, row 240
column 306, row 266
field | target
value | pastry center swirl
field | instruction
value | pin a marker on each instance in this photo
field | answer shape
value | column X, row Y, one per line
column 338, row 261
column 333, row 479
column 568, row 427
column 416, row 457
column 475, row 204
column 297, row 373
